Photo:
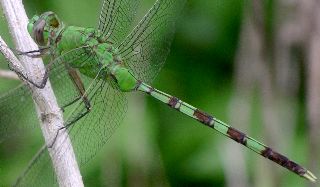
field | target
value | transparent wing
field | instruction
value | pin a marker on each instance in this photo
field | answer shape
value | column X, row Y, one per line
column 19, row 100
column 39, row 172
column 109, row 106
column 116, row 17
column 88, row 134
column 145, row 49
column 12, row 104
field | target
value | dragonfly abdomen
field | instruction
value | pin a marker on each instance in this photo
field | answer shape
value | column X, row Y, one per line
column 226, row 130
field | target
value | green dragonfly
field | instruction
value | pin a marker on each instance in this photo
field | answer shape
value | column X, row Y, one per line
column 92, row 69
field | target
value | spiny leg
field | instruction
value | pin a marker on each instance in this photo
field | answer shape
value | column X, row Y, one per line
column 226, row 130
column 37, row 53
column 80, row 115
column 76, row 80
column 65, row 126
column 70, row 56
column 62, row 108
column 40, row 52
column 83, row 95
column 69, row 123
column 44, row 79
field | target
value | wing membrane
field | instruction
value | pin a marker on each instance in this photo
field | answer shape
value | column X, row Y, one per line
column 145, row 49
column 116, row 18
column 19, row 100
column 87, row 135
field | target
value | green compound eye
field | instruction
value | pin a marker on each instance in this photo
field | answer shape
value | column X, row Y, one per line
column 31, row 24
column 38, row 32
column 91, row 68
column 39, row 27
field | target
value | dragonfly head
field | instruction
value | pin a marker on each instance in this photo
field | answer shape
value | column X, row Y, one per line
column 45, row 29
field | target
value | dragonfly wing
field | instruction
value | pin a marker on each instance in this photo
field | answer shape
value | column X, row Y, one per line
column 116, row 17
column 64, row 88
column 39, row 172
column 145, row 49
column 108, row 108
column 12, row 104
column 19, row 100
column 88, row 134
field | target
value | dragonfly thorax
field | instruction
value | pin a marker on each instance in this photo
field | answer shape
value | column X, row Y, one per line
column 97, row 58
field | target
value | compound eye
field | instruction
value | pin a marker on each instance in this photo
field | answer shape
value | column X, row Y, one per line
column 38, row 32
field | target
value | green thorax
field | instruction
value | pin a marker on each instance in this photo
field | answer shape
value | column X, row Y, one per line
column 81, row 48
column 91, row 56
column 96, row 58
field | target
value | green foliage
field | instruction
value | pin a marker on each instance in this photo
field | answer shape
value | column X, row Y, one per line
column 156, row 145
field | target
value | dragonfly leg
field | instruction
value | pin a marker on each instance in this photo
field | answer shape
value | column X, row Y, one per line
column 33, row 53
column 86, row 102
column 70, row 103
column 75, row 77
column 43, row 81
column 68, row 124
column 77, row 82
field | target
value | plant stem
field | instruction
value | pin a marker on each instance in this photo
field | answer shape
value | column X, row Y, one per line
column 49, row 113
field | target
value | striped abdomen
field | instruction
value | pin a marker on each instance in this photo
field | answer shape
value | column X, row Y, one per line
column 226, row 130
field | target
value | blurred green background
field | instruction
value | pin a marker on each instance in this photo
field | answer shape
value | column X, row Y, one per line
column 157, row 146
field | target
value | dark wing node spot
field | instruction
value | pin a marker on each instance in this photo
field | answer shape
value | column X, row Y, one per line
column 203, row 117
column 237, row 135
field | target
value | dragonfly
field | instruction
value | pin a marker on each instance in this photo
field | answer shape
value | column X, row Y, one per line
column 92, row 70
